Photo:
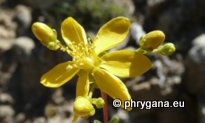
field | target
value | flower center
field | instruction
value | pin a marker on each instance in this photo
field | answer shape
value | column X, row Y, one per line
column 84, row 56
column 86, row 63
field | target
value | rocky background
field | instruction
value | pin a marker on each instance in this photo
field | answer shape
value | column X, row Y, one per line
column 179, row 77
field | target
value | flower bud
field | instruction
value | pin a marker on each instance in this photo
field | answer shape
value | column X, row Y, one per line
column 98, row 102
column 152, row 40
column 45, row 35
column 83, row 107
column 167, row 49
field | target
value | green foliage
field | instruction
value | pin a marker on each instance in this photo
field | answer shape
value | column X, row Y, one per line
column 114, row 119
column 90, row 13
column 97, row 121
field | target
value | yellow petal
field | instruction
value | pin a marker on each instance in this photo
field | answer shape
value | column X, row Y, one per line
column 59, row 75
column 110, row 84
column 126, row 63
column 82, row 87
column 72, row 32
column 111, row 34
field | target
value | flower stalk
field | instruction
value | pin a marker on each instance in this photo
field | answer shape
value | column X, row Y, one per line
column 105, row 108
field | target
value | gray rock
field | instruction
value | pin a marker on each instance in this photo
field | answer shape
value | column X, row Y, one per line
column 39, row 120
column 7, row 30
column 5, row 44
column 6, row 98
column 195, row 65
column 23, row 18
column 20, row 118
column 57, row 97
column 123, row 116
column 7, row 26
column 6, row 113
column 136, row 31
column 154, row 2
column 26, row 44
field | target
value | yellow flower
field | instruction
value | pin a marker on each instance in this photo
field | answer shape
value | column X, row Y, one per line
column 91, row 63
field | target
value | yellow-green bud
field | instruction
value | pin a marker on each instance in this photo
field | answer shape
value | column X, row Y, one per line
column 152, row 40
column 45, row 35
column 99, row 102
column 83, row 107
column 167, row 49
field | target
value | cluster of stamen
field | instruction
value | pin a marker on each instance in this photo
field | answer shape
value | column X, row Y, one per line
column 83, row 55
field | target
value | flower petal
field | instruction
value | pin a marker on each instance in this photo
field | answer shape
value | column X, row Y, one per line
column 82, row 87
column 72, row 32
column 110, row 84
column 111, row 34
column 59, row 75
column 126, row 63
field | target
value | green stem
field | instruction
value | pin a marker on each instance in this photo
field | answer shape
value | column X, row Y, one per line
column 105, row 108
column 140, row 50
column 91, row 91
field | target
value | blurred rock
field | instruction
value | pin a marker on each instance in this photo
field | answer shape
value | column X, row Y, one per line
column 7, row 30
column 25, row 44
column 50, row 110
column 59, row 110
column 57, row 97
column 39, row 120
column 7, row 24
column 136, row 31
column 6, row 114
column 6, row 98
column 154, row 2
column 23, row 18
column 123, row 116
column 195, row 67
column 5, row 44
column 20, row 118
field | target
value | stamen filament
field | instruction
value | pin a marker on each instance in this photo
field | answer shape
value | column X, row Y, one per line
column 65, row 49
